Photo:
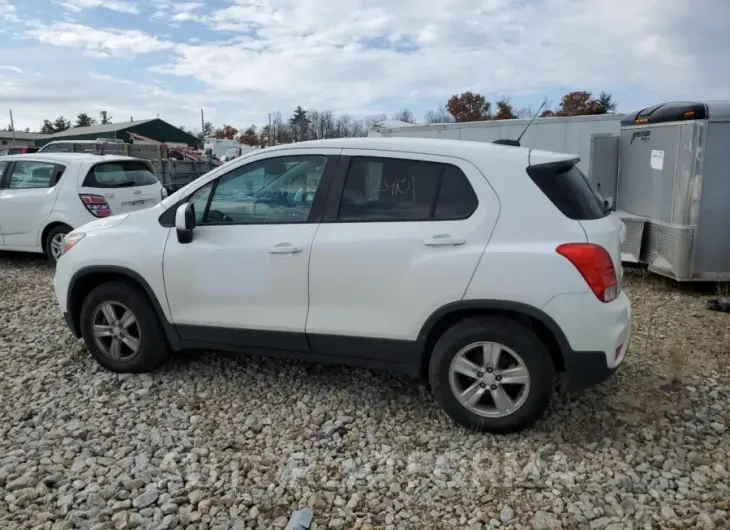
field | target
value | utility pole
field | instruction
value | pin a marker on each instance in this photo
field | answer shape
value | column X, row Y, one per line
column 12, row 125
column 202, row 124
column 271, row 132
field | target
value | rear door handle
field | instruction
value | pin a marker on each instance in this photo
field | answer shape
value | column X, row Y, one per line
column 443, row 240
column 285, row 248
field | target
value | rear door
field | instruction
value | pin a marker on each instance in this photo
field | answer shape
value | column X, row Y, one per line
column 28, row 194
column 125, row 185
column 571, row 192
column 401, row 231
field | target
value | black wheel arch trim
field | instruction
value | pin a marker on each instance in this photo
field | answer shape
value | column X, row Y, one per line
column 71, row 300
column 494, row 305
column 583, row 368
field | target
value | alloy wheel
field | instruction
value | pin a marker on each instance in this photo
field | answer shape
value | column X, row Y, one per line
column 116, row 331
column 489, row 379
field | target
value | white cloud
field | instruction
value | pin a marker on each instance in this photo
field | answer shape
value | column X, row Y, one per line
column 8, row 12
column 362, row 56
column 294, row 49
column 108, row 78
column 176, row 11
column 122, row 6
column 99, row 42
column 11, row 68
column 33, row 99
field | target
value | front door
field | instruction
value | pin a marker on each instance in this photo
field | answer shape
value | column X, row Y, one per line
column 243, row 281
column 26, row 201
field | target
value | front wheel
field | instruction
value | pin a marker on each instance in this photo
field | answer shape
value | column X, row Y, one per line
column 492, row 374
column 121, row 329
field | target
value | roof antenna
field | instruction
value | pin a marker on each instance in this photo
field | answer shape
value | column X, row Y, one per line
column 516, row 143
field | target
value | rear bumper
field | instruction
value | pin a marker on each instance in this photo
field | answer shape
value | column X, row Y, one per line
column 585, row 369
column 598, row 336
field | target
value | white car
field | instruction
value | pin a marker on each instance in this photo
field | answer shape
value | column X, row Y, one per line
column 483, row 268
column 43, row 196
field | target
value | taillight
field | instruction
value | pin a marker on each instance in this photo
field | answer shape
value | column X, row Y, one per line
column 595, row 265
column 96, row 204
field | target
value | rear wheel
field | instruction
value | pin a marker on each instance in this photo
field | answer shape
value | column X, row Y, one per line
column 492, row 374
column 122, row 330
column 54, row 241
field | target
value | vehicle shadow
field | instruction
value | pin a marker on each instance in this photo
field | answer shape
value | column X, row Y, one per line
column 601, row 414
column 24, row 258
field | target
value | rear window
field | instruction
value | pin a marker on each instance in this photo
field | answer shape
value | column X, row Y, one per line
column 122, row 174
column 569, row 190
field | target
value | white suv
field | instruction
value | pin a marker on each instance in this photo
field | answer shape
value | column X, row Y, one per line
column 43, row 196
column 485, row 269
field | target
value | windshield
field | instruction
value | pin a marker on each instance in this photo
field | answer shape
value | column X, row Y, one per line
column 120, row 174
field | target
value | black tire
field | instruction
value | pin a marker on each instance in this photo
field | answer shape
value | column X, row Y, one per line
column 60, row 230
column 515, row 336
column 153, row 346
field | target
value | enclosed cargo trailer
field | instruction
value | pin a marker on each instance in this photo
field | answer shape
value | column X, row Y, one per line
column 674, row 189
column 582, row 135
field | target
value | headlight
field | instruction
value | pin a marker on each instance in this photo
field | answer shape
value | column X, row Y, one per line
column 70, row 241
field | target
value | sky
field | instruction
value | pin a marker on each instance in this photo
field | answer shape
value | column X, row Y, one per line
column 239, row 60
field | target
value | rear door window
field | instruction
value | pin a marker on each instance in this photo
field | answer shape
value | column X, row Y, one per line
column 27, row 174
column 120, row 174
column 569, row 190
column 399, row 189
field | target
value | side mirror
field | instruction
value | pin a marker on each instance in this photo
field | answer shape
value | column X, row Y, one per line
column 185, row 222
column 608, row 205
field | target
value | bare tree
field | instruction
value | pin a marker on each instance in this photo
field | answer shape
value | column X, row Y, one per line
column 374, row 119
column 525, row 113
column 347, row 127
column 281, row 133
column 404, row 115
column 321, row 124
column 439, row 115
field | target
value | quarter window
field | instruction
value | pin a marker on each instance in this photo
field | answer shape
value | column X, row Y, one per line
column 457, row 199
column 276, row 190
column 394, row 189
column 29, row 175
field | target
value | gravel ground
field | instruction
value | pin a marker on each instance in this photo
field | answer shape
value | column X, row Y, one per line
column 224, row 441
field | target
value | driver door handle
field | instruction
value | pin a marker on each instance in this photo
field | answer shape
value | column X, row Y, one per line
column 443, row 240
column 285, row 248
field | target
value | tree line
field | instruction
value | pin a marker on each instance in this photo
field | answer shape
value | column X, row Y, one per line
column 314, row 124
column 467, row 106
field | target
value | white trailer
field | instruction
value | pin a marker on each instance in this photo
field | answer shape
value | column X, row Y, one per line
column 593, row 138
column 217, row 147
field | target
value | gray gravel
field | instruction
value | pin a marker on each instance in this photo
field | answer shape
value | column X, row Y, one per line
column 224, row 441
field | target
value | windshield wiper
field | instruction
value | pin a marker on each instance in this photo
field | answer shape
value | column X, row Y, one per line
column 126, row 184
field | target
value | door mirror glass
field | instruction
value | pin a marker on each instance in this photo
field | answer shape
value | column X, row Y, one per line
column 185, row 222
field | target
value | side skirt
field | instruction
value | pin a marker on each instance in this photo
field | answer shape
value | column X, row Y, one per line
column 376, row 354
